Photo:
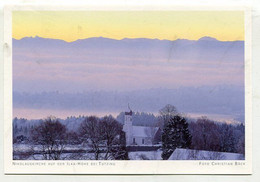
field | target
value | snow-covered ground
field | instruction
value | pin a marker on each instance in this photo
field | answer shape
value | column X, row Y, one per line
column 186, row 154
column 178, row 154
column 145, row 155
column 27, row 147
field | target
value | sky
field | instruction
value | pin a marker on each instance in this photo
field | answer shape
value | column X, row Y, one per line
column 119, row 64
column 170, row 25
column 105, row 64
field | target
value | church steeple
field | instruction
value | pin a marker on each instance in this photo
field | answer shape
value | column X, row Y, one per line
column 128, row 126
column 128, row 116
column 130, row 112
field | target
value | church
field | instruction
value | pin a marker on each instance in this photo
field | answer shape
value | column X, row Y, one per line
column 139, row 135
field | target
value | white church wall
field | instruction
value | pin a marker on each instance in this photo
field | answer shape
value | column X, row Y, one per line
column 142, row 141
column 137, row 135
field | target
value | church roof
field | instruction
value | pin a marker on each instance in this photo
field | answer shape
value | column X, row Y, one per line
column 144, row 131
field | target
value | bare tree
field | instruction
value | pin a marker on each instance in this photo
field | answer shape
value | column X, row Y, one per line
column 110, row 129
column 104, row 137
column 51, row 135
column 205, row 135
column 168, row 110
column 165, row 114
column 90, row 131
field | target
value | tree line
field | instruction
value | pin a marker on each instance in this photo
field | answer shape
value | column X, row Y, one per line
column 105, row 139
column 222, row 137
column 200, row 135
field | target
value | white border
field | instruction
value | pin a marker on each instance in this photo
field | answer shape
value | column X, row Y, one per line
column 122, row 167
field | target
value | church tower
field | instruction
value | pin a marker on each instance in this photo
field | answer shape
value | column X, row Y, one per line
column 128, row 127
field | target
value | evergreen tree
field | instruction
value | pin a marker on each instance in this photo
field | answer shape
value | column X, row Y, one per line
column 120, row 152
column 175, row 135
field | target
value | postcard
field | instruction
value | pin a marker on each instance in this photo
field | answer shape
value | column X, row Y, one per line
column 127, row 91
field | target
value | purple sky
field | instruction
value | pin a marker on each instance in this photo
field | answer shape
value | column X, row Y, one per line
column 105, row 64
column 204, row 76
